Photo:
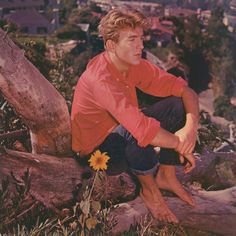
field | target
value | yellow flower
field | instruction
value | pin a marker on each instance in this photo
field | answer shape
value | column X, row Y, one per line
column 98, row 160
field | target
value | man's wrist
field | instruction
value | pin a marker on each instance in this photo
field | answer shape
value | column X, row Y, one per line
column 192, row 121
column 177, row 142
column 190, row 117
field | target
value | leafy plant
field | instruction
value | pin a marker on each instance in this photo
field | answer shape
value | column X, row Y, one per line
column 223, row 108
column 210, row 135
column 10, row 205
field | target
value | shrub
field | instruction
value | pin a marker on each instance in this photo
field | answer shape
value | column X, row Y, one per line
column 221, row 105
column 224, row 109
column 70, row 31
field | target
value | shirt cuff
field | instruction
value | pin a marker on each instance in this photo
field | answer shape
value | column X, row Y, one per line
column 150, row 135
column 178, row 87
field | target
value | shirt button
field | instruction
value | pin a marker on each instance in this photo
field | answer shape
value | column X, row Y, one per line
column 127, row 86
column 118, row 80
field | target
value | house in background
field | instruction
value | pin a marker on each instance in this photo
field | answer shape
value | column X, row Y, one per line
column 82, row 3
column 162, row 31
column 153, row 8
column 31, row 16
column 178, row 12
column 9, row 6
column 30, row 21
column 85, row 28
column 230, row 17
column 204, row 16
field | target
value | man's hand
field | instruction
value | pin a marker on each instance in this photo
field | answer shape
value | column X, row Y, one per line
column 191, row 162
column 187, row 139
column 188, row 134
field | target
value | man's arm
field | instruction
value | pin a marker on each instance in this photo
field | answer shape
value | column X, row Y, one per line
column 188, row 134
column 183, row 141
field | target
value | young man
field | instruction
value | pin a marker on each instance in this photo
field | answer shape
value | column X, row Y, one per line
column 105, row 113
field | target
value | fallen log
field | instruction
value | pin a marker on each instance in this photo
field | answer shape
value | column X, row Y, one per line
column 56, row 182
column 214, row 171
column 215, row 212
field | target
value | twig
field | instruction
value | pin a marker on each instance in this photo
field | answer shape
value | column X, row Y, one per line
column 13, row 134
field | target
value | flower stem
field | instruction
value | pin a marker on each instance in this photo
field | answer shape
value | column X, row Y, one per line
column 91, row 190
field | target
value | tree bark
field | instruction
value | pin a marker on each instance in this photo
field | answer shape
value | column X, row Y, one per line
column 39, row 104
column 214, row 171
column 57, row 182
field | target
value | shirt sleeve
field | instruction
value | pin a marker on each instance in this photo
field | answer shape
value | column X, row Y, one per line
column 113, row 99
column 157, row 82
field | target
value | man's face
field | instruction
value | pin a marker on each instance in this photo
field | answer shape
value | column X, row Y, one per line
column 128, row 49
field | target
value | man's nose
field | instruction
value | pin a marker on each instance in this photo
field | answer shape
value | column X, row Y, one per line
column 140, row 44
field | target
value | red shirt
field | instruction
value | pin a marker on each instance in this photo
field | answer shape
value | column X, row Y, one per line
column 104, row 98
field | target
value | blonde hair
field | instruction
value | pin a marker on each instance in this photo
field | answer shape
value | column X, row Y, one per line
column 118, row 19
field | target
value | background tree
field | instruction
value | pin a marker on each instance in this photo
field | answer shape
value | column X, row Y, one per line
column 86, row 15
column 191, row 51
column 220, row 51
column 35, row 51
column 67, row 6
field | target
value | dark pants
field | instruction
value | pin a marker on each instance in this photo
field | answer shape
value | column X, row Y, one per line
column 126, row 154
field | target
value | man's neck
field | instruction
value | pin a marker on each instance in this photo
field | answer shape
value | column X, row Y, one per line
column 121, row 66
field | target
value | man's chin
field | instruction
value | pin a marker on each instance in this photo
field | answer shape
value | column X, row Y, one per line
column 136, row 62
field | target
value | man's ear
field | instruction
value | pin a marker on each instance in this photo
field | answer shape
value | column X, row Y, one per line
column 110, row 45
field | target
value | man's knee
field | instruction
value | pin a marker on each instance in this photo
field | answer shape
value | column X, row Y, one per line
column 175, row 114
column 169, row 112
column 141, row 160
column 177, row 107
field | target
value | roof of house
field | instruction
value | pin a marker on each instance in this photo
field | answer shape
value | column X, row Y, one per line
column 84, row 27
column 28, row 17
column 177, row 11
column 21, row 3
column 138, row 3
column 167, row 23
column 156, row 25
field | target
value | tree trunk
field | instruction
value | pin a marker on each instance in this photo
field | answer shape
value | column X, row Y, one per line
column 56, row 182
column 39, row 104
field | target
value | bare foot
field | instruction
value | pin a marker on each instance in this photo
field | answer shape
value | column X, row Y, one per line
column 157, row 206
column 166, row 179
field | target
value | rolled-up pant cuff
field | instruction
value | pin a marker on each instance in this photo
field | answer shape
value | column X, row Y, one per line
column 151, row 171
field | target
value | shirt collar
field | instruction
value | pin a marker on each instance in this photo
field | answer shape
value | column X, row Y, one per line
column 112, row 68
